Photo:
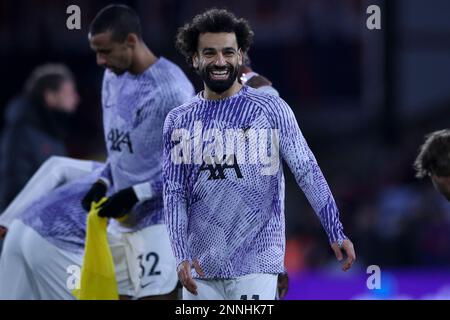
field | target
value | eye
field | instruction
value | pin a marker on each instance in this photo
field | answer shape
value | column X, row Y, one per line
column 229, row 53
column 208, row 54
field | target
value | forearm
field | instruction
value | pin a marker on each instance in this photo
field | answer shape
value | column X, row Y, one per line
column 175, row 198
column 321, row 199
column 176, row 220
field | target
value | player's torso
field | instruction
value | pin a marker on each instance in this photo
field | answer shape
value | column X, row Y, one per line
column 234, row 171
column 133, row 121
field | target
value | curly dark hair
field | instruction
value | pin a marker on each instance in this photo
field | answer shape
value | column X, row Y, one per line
column 215, row 21
column 434, row 155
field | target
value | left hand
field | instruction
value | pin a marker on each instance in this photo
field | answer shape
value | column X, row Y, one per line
column 282, row 285
column 347, row 245
column 119, row 204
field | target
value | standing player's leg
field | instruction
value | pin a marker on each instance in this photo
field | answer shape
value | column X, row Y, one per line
column 119, row 253
column 252, row 287
column 207, row 290
column 145, row 265
column 248, row 287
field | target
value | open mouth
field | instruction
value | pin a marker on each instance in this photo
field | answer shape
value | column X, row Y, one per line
column 219, row 74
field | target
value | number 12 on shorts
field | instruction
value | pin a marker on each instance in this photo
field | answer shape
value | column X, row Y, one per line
column 149, row 263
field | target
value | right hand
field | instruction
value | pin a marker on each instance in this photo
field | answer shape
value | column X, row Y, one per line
column 95, row 194
column 185, row 275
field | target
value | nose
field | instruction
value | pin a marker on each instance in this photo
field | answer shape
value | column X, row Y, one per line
column 101, row 60
column 220, row 61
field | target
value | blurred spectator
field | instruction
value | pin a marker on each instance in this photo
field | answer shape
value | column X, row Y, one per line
column 35, row 125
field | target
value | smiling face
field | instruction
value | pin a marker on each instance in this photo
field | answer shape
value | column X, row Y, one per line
column 113, row 55
column 218, row 60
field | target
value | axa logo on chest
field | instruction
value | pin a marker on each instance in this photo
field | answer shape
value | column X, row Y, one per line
column 118, row 139
column 219, row 149
column 217, row 170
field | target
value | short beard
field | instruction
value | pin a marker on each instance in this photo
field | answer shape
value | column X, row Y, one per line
column 219, row 86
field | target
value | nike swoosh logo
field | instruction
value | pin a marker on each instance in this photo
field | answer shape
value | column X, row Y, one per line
column 147, row 284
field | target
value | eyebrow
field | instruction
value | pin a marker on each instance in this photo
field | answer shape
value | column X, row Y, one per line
column 214, row 49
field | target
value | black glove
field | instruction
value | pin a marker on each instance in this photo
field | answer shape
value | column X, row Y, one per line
column 95, row 194
column 118, row 204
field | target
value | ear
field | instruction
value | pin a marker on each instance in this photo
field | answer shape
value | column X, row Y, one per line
column 195, row 60
column 240, row 57
column 131, row 40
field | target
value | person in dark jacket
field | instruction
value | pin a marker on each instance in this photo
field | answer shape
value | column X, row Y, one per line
column 34, row 127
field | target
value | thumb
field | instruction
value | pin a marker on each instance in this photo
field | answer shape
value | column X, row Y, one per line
column 198, row 269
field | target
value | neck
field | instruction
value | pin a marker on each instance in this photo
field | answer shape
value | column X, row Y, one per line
column 211, row 95
column 142, row 59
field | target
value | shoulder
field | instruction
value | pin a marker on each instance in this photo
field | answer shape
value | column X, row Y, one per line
column 266, row 101
column 176, row 114
column 16, row 110
column 273, row 107
column 169, row 71
column 173, row 81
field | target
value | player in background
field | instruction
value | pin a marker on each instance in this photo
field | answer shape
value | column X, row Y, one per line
column 433, row 161
column 139, row 89
column 253, row 79
column 224, row 198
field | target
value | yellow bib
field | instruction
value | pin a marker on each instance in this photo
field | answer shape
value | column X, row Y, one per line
column 98, row 279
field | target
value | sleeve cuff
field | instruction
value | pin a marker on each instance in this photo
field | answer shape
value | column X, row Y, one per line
column 180, row 260
column 105, row 181
column 339, row 238
column 143, row 191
